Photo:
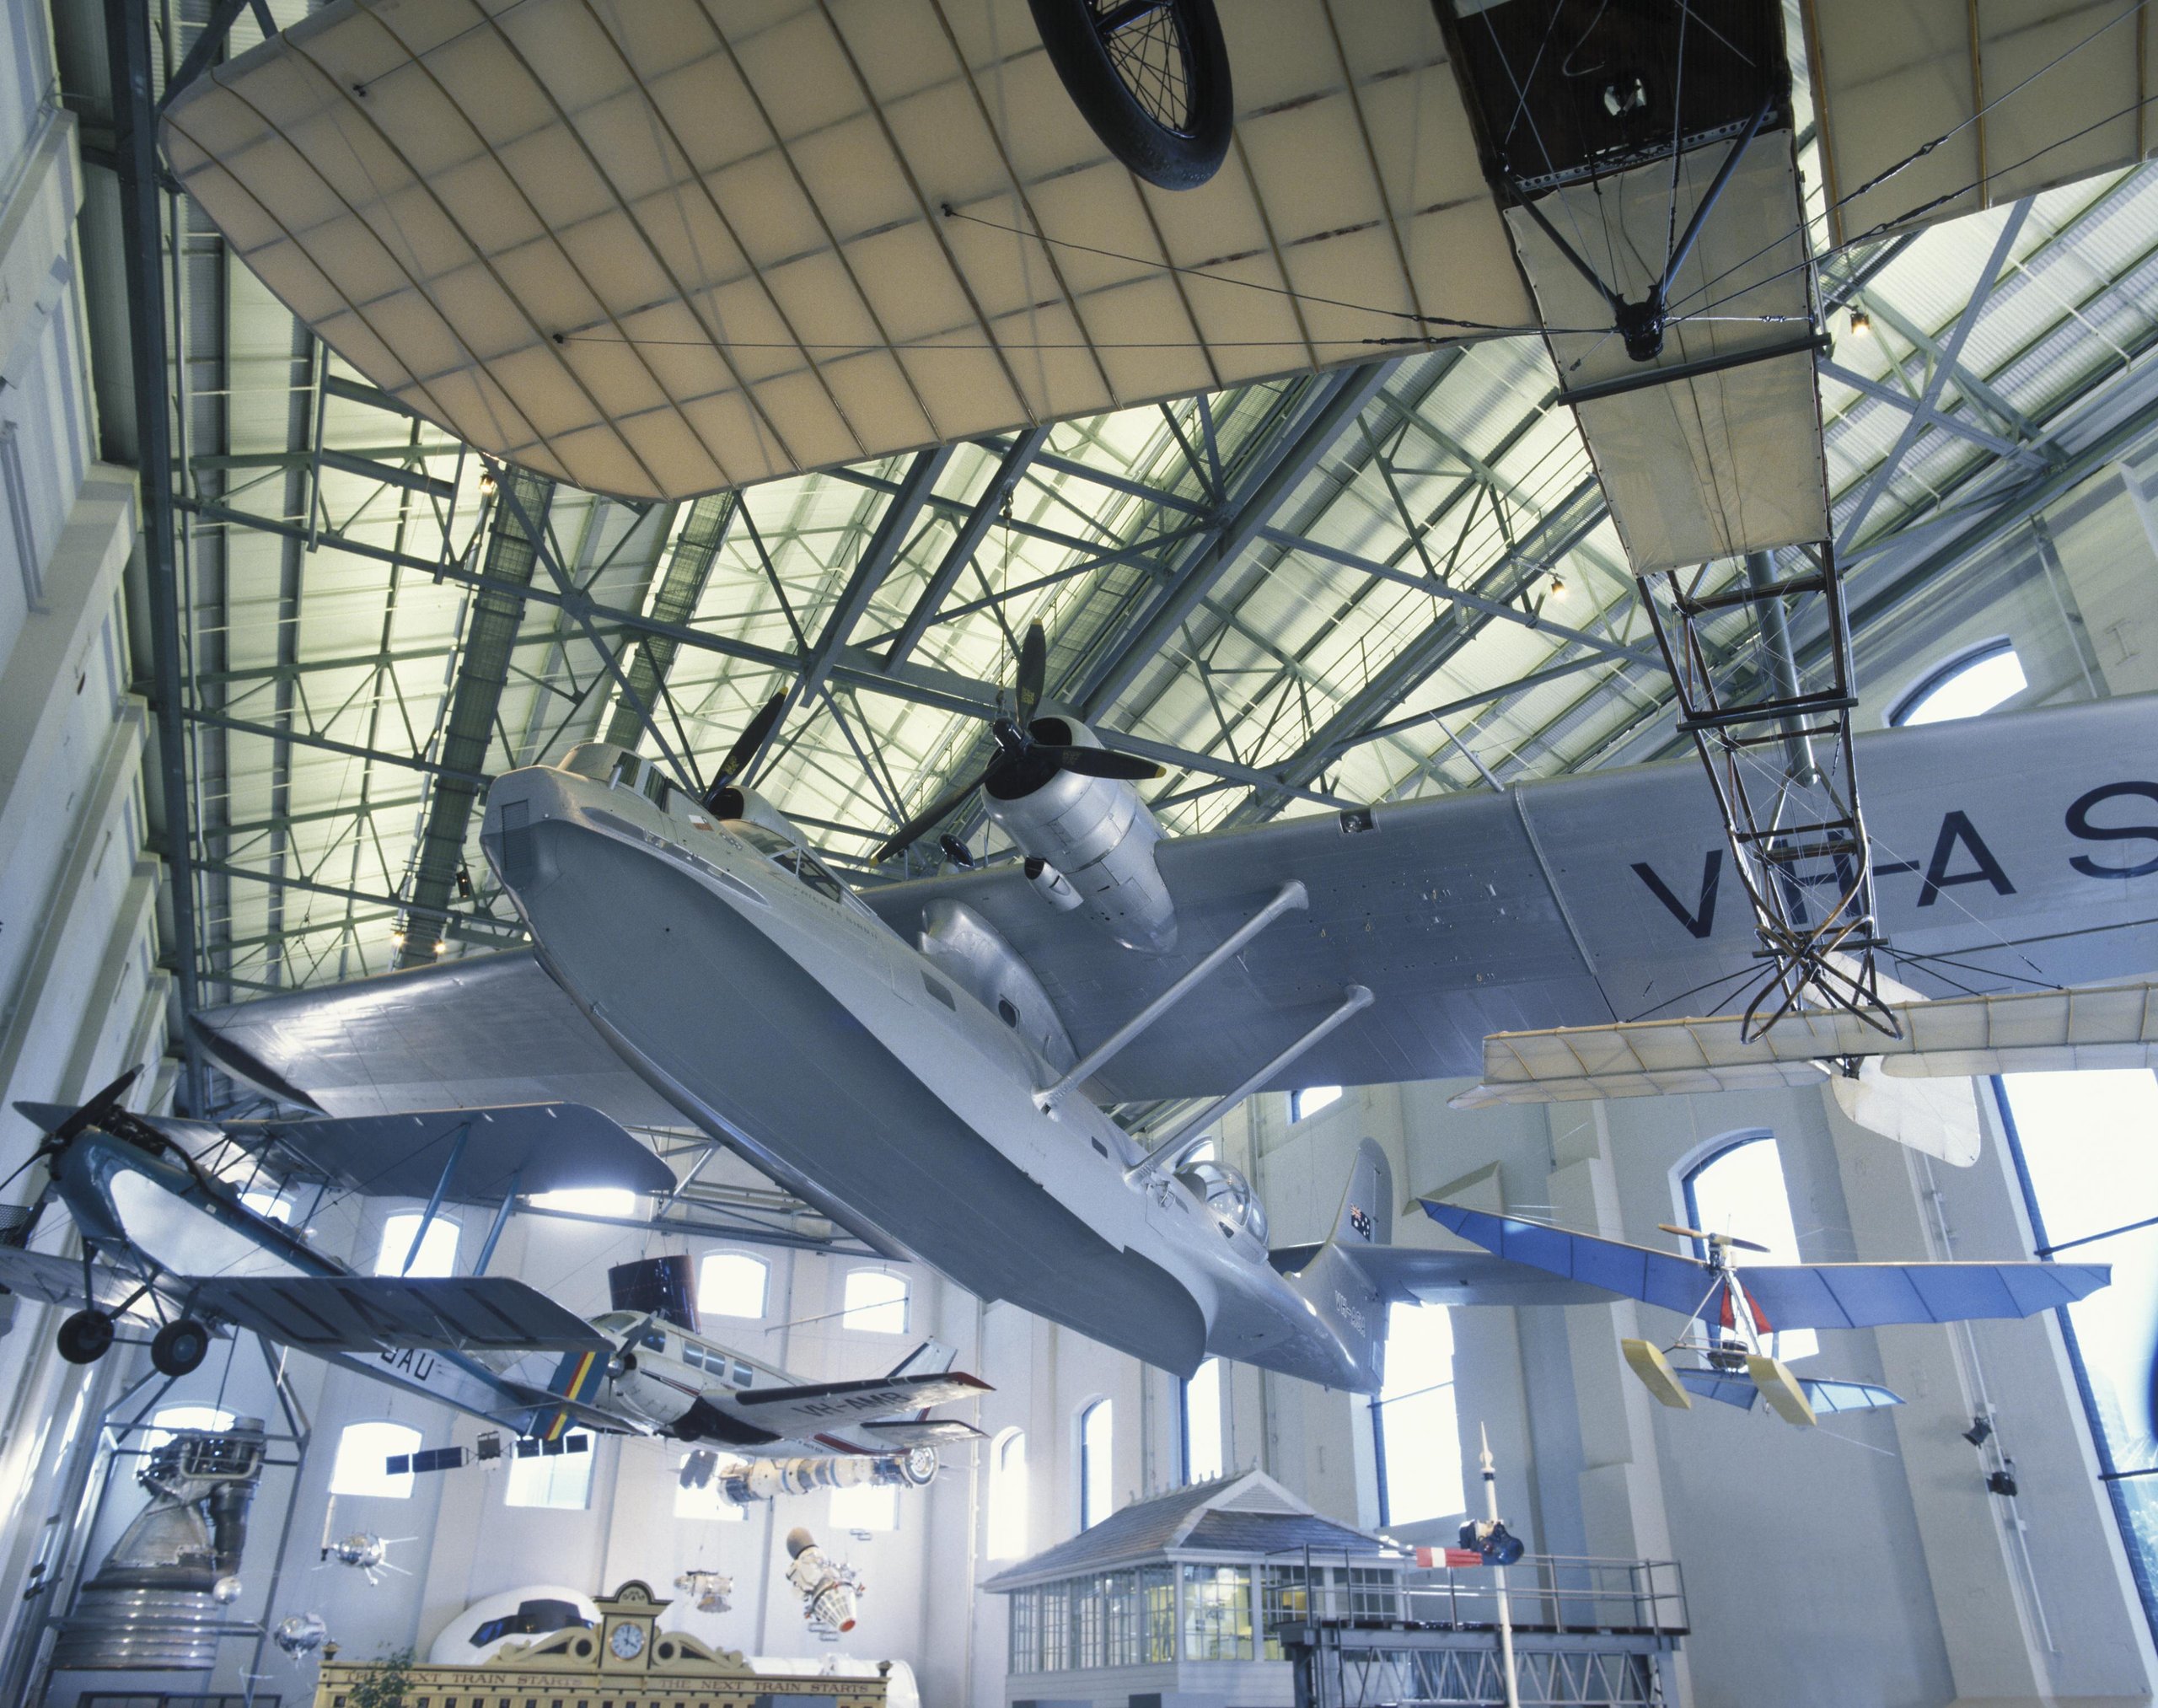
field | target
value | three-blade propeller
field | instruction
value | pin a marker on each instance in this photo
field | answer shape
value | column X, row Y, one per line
column 1022, row 757
column 747, row 746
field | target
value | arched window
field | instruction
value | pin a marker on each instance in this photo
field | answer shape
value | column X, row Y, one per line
column 1007, row 1496
column 732, row 1283
column 1312, row 1099
column 865, row 1506
column 588, row 1200
column 1200, row 1415
column 876, row 1302
column 1413, row 1424
column 1974, row 681
column 1097, row 1435
column 708, row 1500
column 362, row 1452
column 438, row 1252
column 168, row 1420
column 561, row 1480
column 1740, row 1189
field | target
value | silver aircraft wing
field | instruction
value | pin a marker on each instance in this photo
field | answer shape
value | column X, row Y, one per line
column 2010, row 851
column 53, row 1280
column 802, row 1412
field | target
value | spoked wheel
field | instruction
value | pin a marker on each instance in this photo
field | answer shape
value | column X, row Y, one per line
column 179, row 1347
column 1151, row 77
column 85, row 1337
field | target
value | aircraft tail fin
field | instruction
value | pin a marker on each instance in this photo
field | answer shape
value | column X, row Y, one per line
column 1344, row 1292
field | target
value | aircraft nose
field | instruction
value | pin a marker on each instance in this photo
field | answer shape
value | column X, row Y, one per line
column 518, row 803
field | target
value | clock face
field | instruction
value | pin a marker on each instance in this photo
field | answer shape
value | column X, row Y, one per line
column 627, row 1641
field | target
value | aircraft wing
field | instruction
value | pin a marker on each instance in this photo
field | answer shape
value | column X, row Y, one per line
column 1416, row 1275
column 1789, row 1296
column 475, row 1154
column 58, row 1281
column 1824, row 1395
column 1580, row 901
column 368, row 1313
column 1679, row 1284
column 1866, row 1295
column 804, row 1411
column 899, row 1433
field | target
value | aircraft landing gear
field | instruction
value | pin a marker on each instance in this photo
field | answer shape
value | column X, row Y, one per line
column 85, row 1337
column 179, row 1346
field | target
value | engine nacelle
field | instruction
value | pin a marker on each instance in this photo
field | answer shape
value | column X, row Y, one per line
column 1097, row 833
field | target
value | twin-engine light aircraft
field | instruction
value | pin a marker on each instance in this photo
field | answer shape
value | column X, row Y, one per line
column 168, row 1240
column 931, row 1063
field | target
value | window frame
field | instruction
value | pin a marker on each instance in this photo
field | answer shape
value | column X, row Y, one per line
column 1219, row 1377
column 764, row 1285
column 1940, row 674
column 409, row 1479
column 1379, row 1401
column 419, row 1271
column 1297, row 1112
column 550, row 1463
column 1698, row 1163
column 1104, row 1407
column 849, row 1311
column 2109, row 1473
column 1008, row 1508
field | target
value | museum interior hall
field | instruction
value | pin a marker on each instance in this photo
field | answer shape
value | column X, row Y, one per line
column 1078, row 853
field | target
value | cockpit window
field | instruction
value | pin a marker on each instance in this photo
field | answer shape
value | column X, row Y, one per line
column 803, row 865
column 593, row 758
column 758, row 837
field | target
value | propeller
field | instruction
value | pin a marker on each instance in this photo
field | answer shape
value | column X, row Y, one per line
column 1021, row 756
column 747, row 746
column 1712, row 1238
column 95, row 1112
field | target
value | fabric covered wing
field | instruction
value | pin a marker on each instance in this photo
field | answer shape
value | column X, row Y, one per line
column 541, row 1147
column 58, row 1281
column 1866, row 1295
column 1824, row 1396
column 1414, row 1275
column 804, row 1410
column 490, row 1029
column 1664, row 1278
column 369, row 1313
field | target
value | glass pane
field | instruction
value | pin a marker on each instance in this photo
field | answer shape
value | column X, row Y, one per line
column 361, row 1451
column 437, row 1251
column 1097, row 1433
column 1007, row 1498
column 2089, row 1143
column 706, row 1502
column 876, row 1302
column 562, row 1480
column 867, row 1506
column 1419, row 1435
column 1202, row 1423
column 1742, row 1191
column 171, row 1418
column 730, row 1284
column 1977, row 687
column 1312, row 1099
column 1217, row 1625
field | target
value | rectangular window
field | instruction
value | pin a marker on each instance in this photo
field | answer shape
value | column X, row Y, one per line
column 1217, row 1623
column 561, row 1480
column 1412, row 1420
column 1158, row 1585
column 1056, row 1628
column 2082, row 1146
column 1025, row 1654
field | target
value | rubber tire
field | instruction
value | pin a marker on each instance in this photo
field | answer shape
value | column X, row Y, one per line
column 1164, row 157
column 85, row 1337
column 179, row 1347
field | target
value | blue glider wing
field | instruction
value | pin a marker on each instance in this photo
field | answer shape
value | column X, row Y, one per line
column 1865, row 1295
column 1834, row 1394
column 1679, row 1284
column 1790, row 1295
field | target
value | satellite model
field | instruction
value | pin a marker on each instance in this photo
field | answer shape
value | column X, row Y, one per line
column 829, row 1587
column 711, row 1592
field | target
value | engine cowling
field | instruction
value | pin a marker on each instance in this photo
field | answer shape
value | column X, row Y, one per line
column 1095, row 831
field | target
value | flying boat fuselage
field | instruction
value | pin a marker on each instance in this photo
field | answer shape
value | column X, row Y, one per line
column 775, row 1009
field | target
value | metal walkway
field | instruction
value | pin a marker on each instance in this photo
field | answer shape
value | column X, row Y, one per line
column 1587, row 1634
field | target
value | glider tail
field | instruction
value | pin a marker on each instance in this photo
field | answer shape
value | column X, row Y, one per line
column 1344, row 1294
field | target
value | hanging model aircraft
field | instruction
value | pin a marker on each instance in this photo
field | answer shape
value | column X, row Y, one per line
column 168, row 1240
column 931, row 1063
column 1732, row 1313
